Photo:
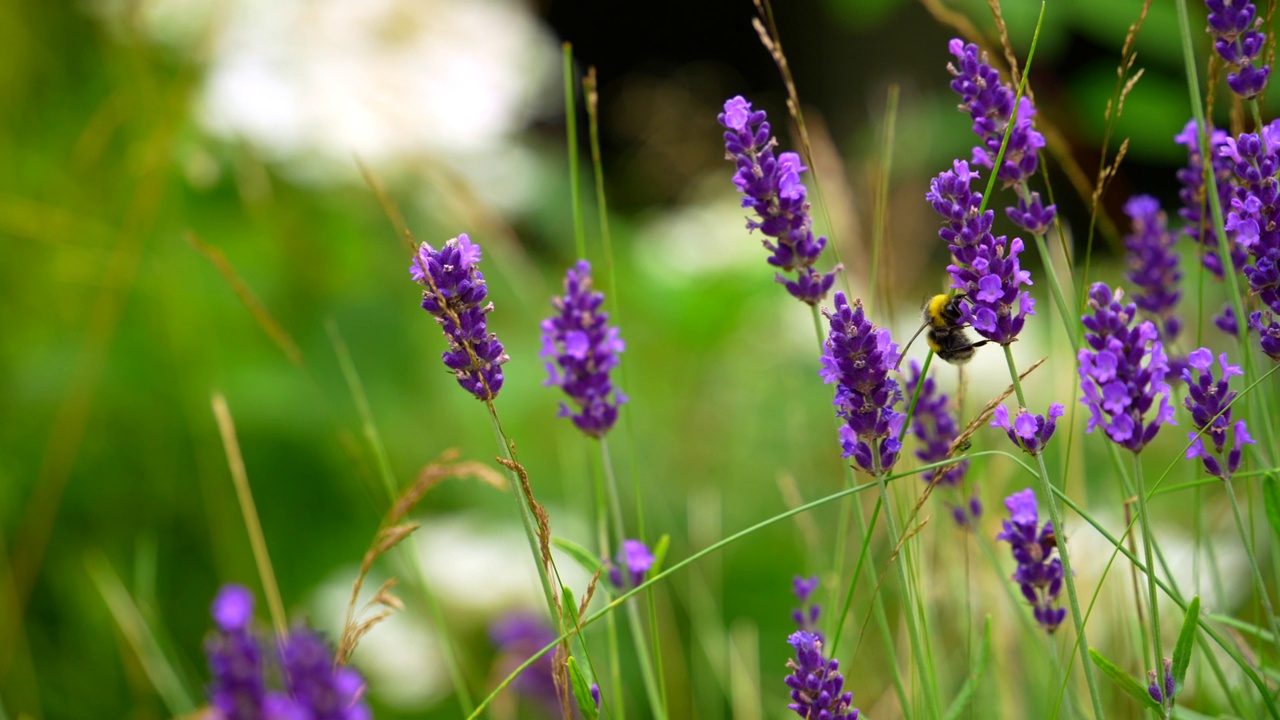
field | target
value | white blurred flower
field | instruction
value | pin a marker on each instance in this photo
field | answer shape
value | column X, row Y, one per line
column 311, row 83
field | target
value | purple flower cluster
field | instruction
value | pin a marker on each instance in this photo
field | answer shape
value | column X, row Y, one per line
column 857, row 356
column 635, row 557
column 1027, row 431
column 584, row 348
column 1254, row 222
column 518, row 636
column 1163, row 695
column 1038, row 575
column 806, row 616
column 772, row 188
column 455, row 294
column 935, row 427
column 1122, row 371
column 1153, row 264
column 315, row 689
column 985, row 269
column 990, row 103
column 1233, row 24
column 1195, row 208
column 817, row 687
column 1209, row 402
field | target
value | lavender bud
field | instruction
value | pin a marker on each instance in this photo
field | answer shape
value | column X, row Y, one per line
column 1039, row 576
column 635, row 559
column 817, row 687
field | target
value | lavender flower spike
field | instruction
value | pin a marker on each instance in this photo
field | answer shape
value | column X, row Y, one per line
column 990, row 103
column 984, row 269
column 584, row 347
column 1209, row 402
column 324, row 691
column 636, row 559
column 455, row 294
column 817, row 687
column 1233, row 24
column 1038, row 575
column 857, row 357
column 238, row 690
column 1027, row 431
column 772, row 188
column 806, row 616
column 1153, row 265
column 1122, row 371
column 935, row 427
column 1195, row 207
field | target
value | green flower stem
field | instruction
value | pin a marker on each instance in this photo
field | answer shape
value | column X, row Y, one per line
column 526, row 517
column 1047, row 486
column 650, row 667
column 1147, row 540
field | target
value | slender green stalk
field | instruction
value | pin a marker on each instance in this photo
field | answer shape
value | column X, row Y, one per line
column 650, row 667
column 526, row 518
column 571, row 130
column 1153, row 603
column 1056, row 516
column 1259, row 585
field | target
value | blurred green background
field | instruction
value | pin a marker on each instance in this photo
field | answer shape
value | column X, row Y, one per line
column 133, row 133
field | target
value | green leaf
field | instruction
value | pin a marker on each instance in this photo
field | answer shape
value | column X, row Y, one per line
column 1186, row 641
column 570, row 609
column 581, row 555
column 970, row 686
column 659, row 554
column 1133, row 688
column 1271, row 501
column 582, row 691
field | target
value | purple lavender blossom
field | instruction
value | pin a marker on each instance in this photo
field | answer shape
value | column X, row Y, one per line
column 1027, row 431
column 584, row 347
column 772, row 188
column 1038, row 575
column 1163, row 695
column 966, row 514
column 518, row 636
column 1269, row 332
column 990, row 103
column 1153, row 265
column 816, row 683
column 238, row 690
column 325, row 691
column 455, row 291
column 1233, row 24
column 985, row 269
column 806, row 616
column 316, row 690
column 635, row 559
column 1254, row 222
column 1122, row 371
column 935, row 427
column 1195, row 208
column 1209, row 402
column 857, row 356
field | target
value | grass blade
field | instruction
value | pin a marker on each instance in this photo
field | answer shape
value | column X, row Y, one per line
column 1131, row 687
column 1186, row 640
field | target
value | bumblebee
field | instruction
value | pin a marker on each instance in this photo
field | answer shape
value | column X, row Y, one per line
column 946, row 337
